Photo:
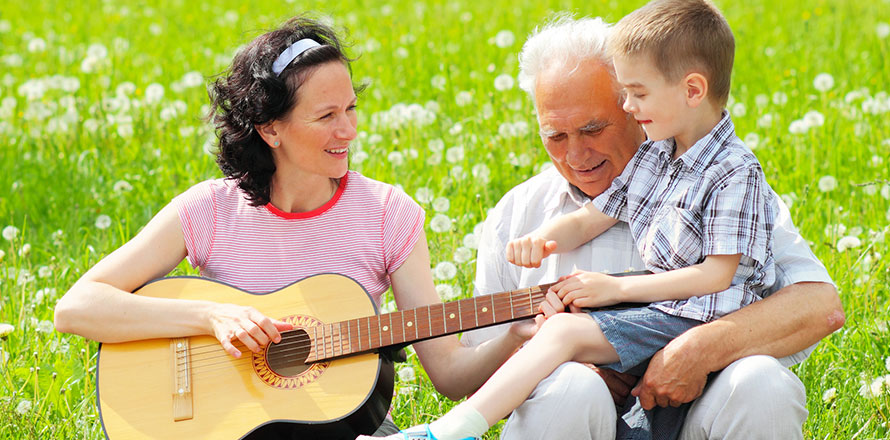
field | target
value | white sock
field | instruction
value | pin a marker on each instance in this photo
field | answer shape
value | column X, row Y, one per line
column 461, row 422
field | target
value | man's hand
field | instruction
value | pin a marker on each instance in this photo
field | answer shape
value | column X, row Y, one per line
column 619, row 383
column 528, row 251
column 675, row 375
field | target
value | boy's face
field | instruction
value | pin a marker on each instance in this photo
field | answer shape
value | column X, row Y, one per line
column 657, row 105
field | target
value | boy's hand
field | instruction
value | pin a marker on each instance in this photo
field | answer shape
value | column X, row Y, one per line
column 528, row 251
column 588, row 289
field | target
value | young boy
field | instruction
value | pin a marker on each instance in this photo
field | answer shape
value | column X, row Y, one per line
column 698, row 206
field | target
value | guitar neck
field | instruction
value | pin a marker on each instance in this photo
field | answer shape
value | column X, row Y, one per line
column 371, row 333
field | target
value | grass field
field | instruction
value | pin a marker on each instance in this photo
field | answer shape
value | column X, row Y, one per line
column 100, row 126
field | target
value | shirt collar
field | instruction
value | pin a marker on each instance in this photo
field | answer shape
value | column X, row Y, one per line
column 565, row 192
column 699, row 156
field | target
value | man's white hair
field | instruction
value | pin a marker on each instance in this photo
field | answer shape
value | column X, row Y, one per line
column 564, row 40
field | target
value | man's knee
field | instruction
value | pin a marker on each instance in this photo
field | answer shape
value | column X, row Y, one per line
column 573, row 402
column 754, row 395
column 758, row 377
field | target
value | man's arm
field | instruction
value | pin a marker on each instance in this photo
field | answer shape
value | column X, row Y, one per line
column 678, row 373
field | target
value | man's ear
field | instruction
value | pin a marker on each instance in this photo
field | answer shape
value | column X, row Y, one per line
column 696, row 88
column 268, row 133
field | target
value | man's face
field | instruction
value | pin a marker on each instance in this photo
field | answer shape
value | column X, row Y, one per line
column 589, row 138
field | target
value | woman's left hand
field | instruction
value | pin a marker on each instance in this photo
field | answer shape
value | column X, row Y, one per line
column 587, row 289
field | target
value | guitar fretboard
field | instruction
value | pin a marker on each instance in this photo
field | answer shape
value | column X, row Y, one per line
column 374, row 332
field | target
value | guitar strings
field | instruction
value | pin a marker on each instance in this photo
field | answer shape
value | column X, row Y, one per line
column 300, row 349
column 304, row 347
column 203, row 358
column 341, row 339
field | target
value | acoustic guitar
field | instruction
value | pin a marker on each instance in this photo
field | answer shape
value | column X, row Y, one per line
column 327, row 378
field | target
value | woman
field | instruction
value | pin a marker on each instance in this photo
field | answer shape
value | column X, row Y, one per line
column 288, row 208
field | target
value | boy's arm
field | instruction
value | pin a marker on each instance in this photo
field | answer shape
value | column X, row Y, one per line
column 561, row 234
column 591, row 289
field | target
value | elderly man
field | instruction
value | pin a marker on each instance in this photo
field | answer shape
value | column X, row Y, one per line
column 590, row 139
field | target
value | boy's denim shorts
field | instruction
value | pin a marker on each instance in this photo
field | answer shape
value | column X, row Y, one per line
column 638, row 333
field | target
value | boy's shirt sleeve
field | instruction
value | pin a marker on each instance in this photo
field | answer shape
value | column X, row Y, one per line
column 739, row 216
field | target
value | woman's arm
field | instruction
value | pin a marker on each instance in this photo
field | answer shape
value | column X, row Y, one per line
column 454, row 369
column 99, row 305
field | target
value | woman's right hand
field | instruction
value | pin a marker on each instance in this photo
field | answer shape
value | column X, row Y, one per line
column 230, row 322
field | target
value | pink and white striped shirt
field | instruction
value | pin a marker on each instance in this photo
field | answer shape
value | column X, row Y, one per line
column 366, row 231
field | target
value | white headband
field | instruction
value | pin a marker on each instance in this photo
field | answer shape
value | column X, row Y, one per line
column 292, row 52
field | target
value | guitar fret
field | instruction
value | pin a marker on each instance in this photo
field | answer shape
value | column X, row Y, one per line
column 460, row 316
column 429, row 319
column 444, row 319
column 476, row 309
column 529, row 302
column 415, row 323
column 349, row 335
column 493, row 316
column 340, row 336
column 512, row 312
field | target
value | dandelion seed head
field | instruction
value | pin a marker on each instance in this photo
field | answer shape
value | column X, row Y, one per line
column 823, row 82
column 37, row 45
column 882, row 30
column 829, row 395
column 814, row 118
column 6, row 329
column 440, row 223
column 503, row 82
column 827, row 184
column 445, row 270
column 463, row 98
column 396, row 158
column 504, row 39
column 455, row 154
column 848, row 242
column 407, row 374
column 102, row 222
column 738, row 110
column 438, row 82
column 24, row 407
column 154, row 93
column 798, row 126
column 463, row 254
column 752, row 140
column 44, row 271
column 10, row 233
column 481, row 173
column 446, row 291
column 122, row 186
column 441, row 204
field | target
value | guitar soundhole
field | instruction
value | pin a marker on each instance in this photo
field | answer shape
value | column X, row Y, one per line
column 288, row 357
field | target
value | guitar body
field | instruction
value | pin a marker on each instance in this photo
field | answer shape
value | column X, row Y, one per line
column 157, row 389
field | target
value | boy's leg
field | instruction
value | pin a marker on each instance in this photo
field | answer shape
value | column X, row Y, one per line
column 563, row 337
column 754, row 397
column 573, row 402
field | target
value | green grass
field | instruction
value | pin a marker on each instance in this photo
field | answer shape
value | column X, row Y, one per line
column 64, row 150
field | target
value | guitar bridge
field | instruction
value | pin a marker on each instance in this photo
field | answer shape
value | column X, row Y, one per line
column 182, row 380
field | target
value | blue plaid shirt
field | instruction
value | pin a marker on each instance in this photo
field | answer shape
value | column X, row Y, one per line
column 712, row 200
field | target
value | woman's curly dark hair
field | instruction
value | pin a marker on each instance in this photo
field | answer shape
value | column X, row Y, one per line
column 249, row 94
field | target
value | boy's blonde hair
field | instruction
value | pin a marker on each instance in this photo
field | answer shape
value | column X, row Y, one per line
column 680, row 36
